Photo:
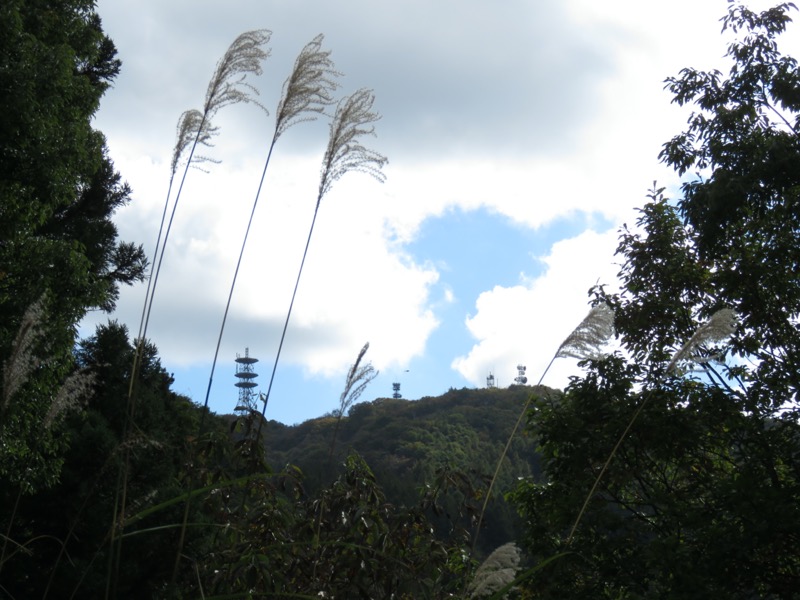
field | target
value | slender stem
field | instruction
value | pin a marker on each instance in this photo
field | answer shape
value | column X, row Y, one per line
column 8, row 529
column 605, row 467
column 236, row 273
column 286, row 322
column 169, row 225
column 120, row 500
column 181, row 538
column 503, row 454
column 155, row 255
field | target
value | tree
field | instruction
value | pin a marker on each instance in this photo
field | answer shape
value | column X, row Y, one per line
column 59, row 252
column 64, row 529
column 690, row 466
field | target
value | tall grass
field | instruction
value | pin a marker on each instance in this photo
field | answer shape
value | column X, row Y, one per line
column 718, row 328
column 358, row 378
column 228, row 85
column 586, row 341
column 306, row 94
column 354, row 119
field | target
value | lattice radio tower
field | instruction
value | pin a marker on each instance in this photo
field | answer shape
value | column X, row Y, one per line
column 490, row 383
column 246, row 381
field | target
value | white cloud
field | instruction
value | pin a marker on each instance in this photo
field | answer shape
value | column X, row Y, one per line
column 525, row 324
column 538, row 112
column 356, row 286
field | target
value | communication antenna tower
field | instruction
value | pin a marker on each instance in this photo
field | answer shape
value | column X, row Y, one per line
column 490, row 380
column 396, row 391
column 246, row 383
column 520, row 378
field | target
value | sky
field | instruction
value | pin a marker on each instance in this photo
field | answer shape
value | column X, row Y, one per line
column 521, row 135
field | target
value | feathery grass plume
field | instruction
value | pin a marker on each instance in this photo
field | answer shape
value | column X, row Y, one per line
column 719, row 327
column 588, row 339
column 353, row 119
column 309, row 89
column 191, row 127
column 496, row 572
column 306, row 93
column 22, row 361
column 358, row 378
column 585, row 342
column 229, row 84
column 75, row 389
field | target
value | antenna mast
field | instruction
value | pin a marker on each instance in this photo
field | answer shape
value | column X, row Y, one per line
column 246, row 376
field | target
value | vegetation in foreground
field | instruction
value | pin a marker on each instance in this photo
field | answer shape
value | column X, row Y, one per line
column 669, row 469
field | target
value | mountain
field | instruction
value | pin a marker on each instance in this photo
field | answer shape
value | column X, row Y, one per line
column 412, row 445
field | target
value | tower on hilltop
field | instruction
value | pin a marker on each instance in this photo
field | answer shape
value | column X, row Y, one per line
column 490, row 383
column 521, row 379
column 246, row 381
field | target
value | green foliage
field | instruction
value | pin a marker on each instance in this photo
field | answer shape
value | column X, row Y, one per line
column 701, row 493
column 346, row 542
column 409, row 444
column 64, row 529
column 58, row 190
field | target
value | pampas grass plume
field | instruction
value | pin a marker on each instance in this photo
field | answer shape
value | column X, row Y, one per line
column 496, row 572
column 191, row 127
column 22, row 360
column 588, row 339
column 309, row 89
column 76, row 389
column 228, row 84
column 354, row 119
column 718, row 328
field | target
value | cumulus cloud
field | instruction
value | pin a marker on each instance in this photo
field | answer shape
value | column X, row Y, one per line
column 540, row 112
column 525, row 324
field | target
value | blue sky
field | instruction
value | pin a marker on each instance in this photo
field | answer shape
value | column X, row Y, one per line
column 520, row 136
column 464, row 246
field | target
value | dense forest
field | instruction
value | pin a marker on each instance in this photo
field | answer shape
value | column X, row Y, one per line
column 411, row 443
column 669, row 468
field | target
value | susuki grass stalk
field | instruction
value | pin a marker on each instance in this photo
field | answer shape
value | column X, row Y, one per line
column 719, row 327
column 306, row 94
column 585, row 341
column 192, row 130
column 357, row 380
column 228, row 86
column 354, row 119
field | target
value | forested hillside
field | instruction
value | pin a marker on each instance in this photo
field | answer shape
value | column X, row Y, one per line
column 409, row 444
